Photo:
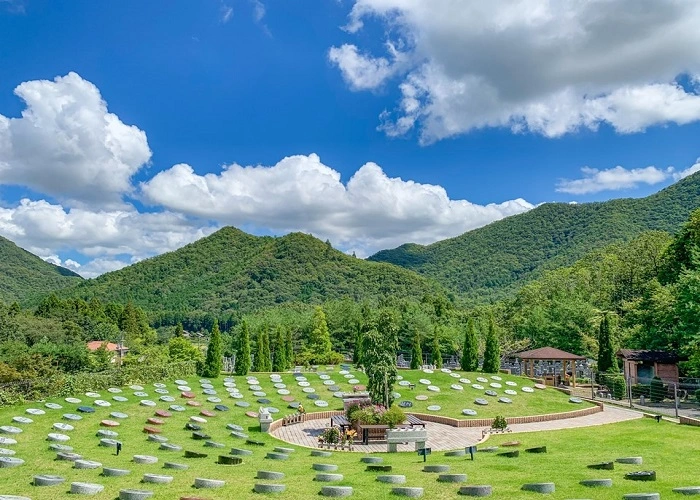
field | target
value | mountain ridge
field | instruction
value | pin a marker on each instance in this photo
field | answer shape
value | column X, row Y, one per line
column 25, row 274
column 492, row 261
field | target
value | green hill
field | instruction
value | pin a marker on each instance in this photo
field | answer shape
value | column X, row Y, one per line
column 493, row 261
column 24, row 275
column 234, row 271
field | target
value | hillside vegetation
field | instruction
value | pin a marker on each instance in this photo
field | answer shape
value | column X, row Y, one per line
column 494, row 261
column 234, row 271
column 24, row 275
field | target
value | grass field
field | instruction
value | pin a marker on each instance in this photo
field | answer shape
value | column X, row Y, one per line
column 669, row 449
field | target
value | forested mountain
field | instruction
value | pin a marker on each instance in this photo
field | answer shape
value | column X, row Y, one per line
column 231, row 271
column 494, row 261
column 25, row 275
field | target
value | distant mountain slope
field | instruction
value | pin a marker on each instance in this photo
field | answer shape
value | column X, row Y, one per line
column 231, row 270
column 23, row 274
column 493, row 261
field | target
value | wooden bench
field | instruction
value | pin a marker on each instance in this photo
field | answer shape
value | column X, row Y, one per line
column 414, row 421
column 341, row 421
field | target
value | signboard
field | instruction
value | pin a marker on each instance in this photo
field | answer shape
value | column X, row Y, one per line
column 424, row 452
column 471, row 450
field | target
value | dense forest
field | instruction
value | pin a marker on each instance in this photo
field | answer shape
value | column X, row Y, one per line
column 494, row 261
column 26, row 277
column 296, row 300
column 231, row 272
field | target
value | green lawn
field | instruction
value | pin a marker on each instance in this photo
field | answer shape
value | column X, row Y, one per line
column 669, row 449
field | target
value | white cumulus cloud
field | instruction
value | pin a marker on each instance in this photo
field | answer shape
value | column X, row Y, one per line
column 620, row 178
column 105, row 236
column 67, row 145
column 372, row 211
column 548, row 67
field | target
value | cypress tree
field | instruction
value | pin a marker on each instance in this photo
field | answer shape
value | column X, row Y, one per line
column 266, row 357
column 470, row 350
column 289, row 354
column 606, row 351
column 243, row 352
column 320, row 337
column 258, row 362
column 213, row 364
column 492, row 352
column 179, row 331
column 357, row 352
column 279, row 356
column 437, row 354
column 416, row 353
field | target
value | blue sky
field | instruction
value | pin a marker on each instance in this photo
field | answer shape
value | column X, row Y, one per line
column 501, row 106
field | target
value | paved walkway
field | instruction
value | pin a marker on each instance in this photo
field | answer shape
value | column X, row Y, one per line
column 444, row 437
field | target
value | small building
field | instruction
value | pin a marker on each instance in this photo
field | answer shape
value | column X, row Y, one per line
column 118, row 350
column 554, row 365
column 641, row 365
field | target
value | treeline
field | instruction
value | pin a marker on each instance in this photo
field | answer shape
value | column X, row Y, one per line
column 649, row 289
column 52, row 338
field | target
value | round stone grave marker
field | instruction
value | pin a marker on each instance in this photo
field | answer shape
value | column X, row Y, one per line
column 321, row 403
column 457, row 387
column 53, row 406
column 434, row 408
column 511, row 392
column 481, row 401
column 433, row 388
column 527, row 389
column 424, row 381
column 313, row 397
column 421, row 397
column 482, row 380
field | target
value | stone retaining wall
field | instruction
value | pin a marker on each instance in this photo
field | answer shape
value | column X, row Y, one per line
column 479, row 422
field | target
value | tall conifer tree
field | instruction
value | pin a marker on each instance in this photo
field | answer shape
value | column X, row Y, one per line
column 470, row 350
column 492, row 351
column 243, row 352
column 214, row 363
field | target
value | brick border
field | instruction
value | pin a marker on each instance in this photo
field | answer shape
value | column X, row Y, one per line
column 479, row 422
column 689, row 421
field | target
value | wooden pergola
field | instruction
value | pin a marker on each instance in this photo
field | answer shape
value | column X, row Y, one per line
column 529, row 358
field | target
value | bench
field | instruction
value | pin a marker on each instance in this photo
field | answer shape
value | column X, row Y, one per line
column 491, row 430
column 341, row 421
column 414, row 421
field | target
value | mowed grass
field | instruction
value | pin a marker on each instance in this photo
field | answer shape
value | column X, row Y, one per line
column 669, row 449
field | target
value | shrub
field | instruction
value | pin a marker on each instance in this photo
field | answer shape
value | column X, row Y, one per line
column 640, row 390
column 618, row 387
column 657, row 392
column 351, row 412
column 499, row 422
column 331, row 435
column 393, row 417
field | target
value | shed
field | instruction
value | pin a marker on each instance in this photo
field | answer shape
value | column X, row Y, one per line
column 641, row 365
column 550, row 354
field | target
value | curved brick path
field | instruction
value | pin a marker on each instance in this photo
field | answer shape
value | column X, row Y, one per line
column 443, row 437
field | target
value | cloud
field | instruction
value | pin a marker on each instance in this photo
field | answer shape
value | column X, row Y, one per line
column 550, row 68
column 363, row 72
column 258, row 10
column 67, row 145
column 615, row 179
column 372, row 211
column 105, row 236
column 688, row 171
column 225, row 13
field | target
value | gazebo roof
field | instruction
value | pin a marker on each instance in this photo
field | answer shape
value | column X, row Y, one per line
column 547, row 353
